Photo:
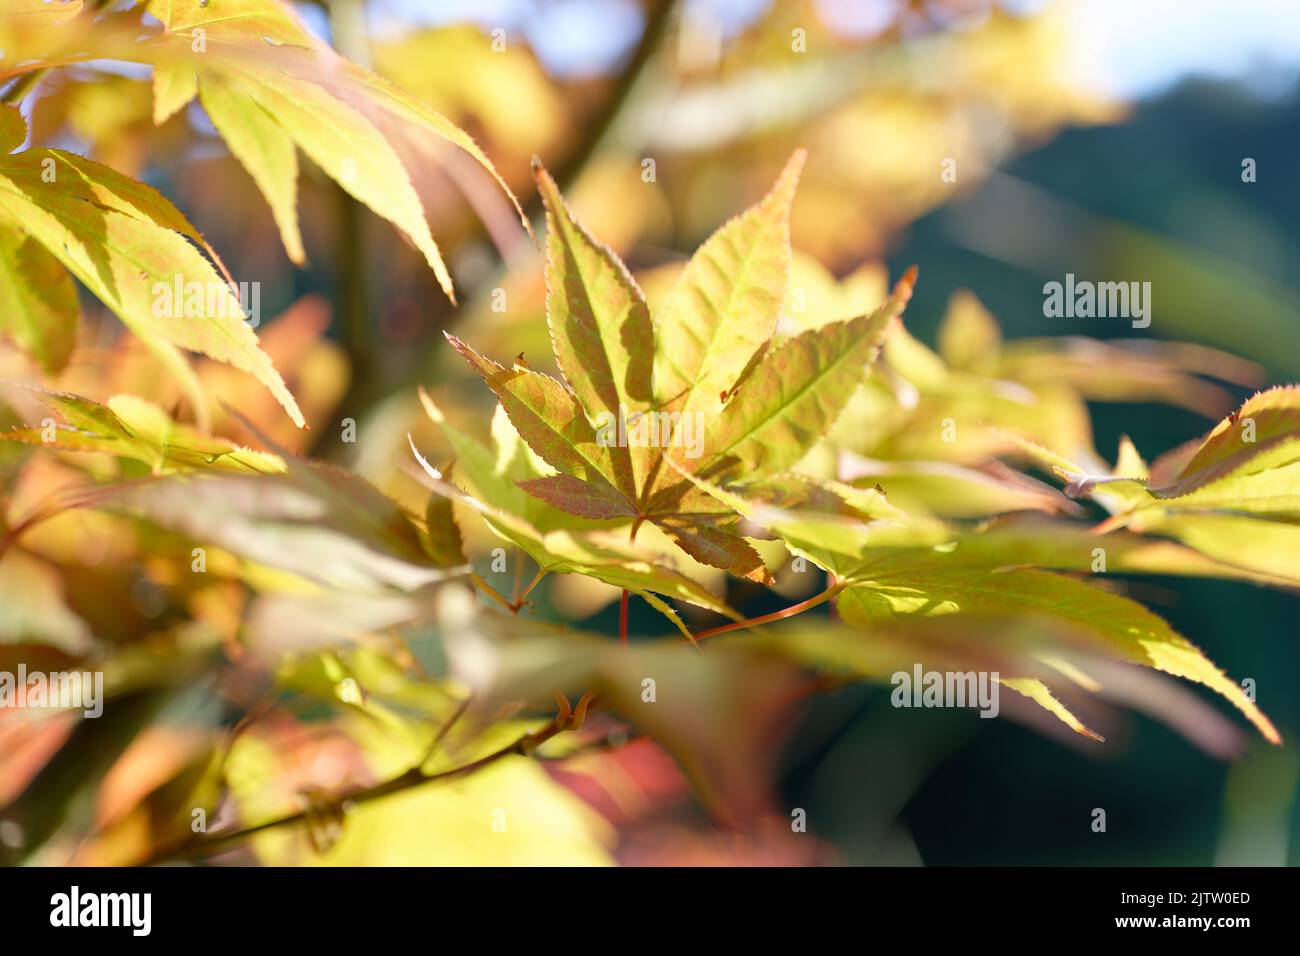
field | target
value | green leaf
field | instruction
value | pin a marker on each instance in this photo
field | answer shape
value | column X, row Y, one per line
column 1018, row 541
column 1132, row 370
column 716, row 548
column 338, row 113
column 104, row 186
column 129, row 427
column 444, row 543
column 1116, row 493
column 562, row 551
column 495, row 473
column 878, row 654
column 38, row 302
column 953, row 490
column 491, row 480
column 127, row 244
column 13, row 128
column 1248, row 547
column 317, row 522
column 234, row 20
column 795, row 394
column 1235, row 500
column 723, row 310
column 841, row 529
column 350, row 149
column 174, row 86
column 1273, row 490
column 969, row 336
column 1042, row 695
column 583, row 498
column 250, row 25
column 1263, row 433
column 262, row 146
column 551, row 420
column 604, row 344
column 599, row 322
column 922, row 585
column 367, row 88
column 600, row 331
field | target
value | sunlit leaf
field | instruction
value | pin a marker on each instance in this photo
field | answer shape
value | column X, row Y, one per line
column 724, row 308
column 35, row 611
column 552, row 421
column 130, row 427
column 317, row 522
column 1122, row 627
column 265, row 150
column 127, row 244
column 797, row 391
column 38, row 302
column 174, row 86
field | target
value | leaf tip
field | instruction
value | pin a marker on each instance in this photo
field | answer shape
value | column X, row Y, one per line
column 903, row 288
column 432, row 472
column 430, row 409
column 794, row 165
column 450, row 291
column 1266, row 728
column 545, row 181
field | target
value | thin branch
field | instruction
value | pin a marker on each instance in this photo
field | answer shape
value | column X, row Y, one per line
column 208, row 844
column 443, row 731
column 599, row 127
column 791, row 611
column 353, row 289
column 592, row 137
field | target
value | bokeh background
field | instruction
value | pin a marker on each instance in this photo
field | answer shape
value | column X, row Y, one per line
column 1098, row 137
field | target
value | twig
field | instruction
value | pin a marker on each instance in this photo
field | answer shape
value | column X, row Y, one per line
column 598, row 130
column 348, row 32
column 208, row 844
column 443, row 731
column 781, row 615
column 568, row 168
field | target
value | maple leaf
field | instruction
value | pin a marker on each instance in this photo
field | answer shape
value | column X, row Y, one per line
column 493, row 481
column 699, row 386
column 927, row 408
column 314, row 521
column 130, row 427
column 889, row 565
column 121, row 239
column 273, row 88
column 1233, row 496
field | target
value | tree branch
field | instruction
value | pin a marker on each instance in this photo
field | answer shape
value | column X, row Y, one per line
column 597, row 131
column 204, row 845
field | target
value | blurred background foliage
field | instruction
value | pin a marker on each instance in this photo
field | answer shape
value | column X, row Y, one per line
column 1062, row 165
